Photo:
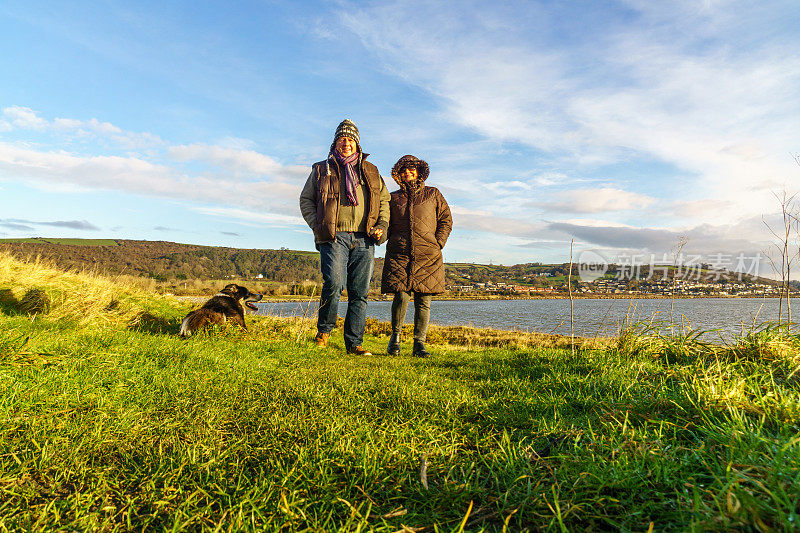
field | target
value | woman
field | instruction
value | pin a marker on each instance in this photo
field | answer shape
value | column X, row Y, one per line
column 419, row 223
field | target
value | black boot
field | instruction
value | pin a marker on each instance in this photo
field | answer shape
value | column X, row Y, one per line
column 394, row 345
column 419, row 349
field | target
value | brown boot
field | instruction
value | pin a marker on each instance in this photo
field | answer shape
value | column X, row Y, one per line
column 321, row 340
column 358, row 350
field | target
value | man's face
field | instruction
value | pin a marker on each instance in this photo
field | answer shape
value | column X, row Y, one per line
column 345, row 146
column 409, row 174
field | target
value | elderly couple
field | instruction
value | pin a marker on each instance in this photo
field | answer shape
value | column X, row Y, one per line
column 346, row 203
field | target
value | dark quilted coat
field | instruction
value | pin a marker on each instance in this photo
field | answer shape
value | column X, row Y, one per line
column 419, row 224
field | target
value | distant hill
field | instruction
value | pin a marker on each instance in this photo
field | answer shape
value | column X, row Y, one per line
column 163, row 260
column 168, row 260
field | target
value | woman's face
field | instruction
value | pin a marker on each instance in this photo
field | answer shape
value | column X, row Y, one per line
column 345, row 146
column 409, row 174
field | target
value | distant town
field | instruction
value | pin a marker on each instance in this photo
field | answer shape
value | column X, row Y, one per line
column 621, row 287
column 536, row 279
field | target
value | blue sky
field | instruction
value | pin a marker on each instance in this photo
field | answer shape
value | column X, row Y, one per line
column 621, row 124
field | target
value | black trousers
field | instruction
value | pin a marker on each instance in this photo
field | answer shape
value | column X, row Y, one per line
column 422, row 313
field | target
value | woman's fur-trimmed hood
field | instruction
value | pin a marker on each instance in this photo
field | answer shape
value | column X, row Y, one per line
column 410, row 161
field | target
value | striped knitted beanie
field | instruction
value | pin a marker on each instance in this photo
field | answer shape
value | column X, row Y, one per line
column 347, row 129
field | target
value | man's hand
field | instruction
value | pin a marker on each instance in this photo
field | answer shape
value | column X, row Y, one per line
column 376, row 233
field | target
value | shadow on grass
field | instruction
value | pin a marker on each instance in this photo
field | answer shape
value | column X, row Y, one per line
column 9, row 305
column 156, row 325
column 34, row 302
column 523, row 391
column 512, row 364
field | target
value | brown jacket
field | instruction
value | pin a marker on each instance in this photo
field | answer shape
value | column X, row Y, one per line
column 321, row 201
column 419, row 224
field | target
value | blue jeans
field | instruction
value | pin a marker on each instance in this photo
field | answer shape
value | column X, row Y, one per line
column 346, row 262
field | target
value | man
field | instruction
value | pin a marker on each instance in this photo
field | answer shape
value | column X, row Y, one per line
column 346, row 204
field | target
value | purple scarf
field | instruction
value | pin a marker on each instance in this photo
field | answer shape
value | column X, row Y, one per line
column 350, row 179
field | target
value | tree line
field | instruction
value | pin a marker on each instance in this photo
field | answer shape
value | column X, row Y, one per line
column 163, row 260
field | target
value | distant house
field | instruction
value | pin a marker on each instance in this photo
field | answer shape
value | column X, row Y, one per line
column 460, row 288
column 542, row 289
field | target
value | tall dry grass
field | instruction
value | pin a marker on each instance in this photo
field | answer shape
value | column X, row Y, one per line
column 38, row 287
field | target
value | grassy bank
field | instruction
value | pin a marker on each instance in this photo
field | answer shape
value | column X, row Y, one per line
column 108, row 421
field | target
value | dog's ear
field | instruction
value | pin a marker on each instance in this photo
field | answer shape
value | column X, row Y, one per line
column 230, row 288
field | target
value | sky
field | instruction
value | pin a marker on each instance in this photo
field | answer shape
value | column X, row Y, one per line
column 622, row 126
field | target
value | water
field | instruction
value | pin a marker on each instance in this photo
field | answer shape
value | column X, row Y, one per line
column 592, row 316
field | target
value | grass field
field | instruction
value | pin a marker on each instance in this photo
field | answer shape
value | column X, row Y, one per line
column 109, row 421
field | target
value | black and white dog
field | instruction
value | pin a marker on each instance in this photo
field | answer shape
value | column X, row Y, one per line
column 224, row 307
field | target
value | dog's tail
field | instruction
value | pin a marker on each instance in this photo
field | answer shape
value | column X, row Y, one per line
column 186, row 331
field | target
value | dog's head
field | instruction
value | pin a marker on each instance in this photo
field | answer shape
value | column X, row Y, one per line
column 242, row 293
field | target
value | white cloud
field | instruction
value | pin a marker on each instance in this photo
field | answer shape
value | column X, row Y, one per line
column 548, row 179
column 596, row 201
column 27, row 119
column 93, row 124
column 485, row 221
column 594, row 223
column 513, row 187
column 28, row 225
column 697, row 209
column 139, row 176
column 236, row 161
column 458, row 210
column 251, row 218
column 746, row 237
column 230, row 177
column 710, row 91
